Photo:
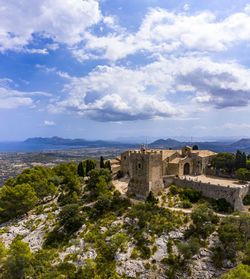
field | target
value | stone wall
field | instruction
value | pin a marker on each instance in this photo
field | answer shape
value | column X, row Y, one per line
column 233, row 194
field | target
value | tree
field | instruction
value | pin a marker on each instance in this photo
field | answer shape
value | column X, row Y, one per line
column 80, row 169
column 195, row 147
column 223, row 160
column 231, row 238
column 240, row 272
column 204, row 221
column 240, row 160
column 151, row 199
column 248, row 164
column 17, row 200
column 70, row 218
column 18, row 263
column 107, row 165
column 94, row 178
column 102, row 162
column 90, row 165
column 190, row 248
column 39, row 179
column 242, row 174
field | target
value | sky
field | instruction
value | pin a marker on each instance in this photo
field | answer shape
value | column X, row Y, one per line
column 123, row 69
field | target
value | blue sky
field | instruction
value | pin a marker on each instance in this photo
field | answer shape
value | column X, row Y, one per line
column 124, row 69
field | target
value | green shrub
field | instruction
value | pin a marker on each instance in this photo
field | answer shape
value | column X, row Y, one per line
column 186, row 204
column 246, row 200
column 173, row 190
column 189, row 194
column 55, row 239
column 70, row 218
column 221, row 205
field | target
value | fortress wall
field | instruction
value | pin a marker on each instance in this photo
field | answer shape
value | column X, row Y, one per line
column 232, row 194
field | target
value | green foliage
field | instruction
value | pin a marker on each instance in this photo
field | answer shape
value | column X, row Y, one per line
column 119, row 204
column 231, row 238
column 107, row 165
column 90, row 165
column 134, row 255
column 39, row 179
column 173, row 190
column 189, row 249
column 2, row 251
column 218, row 256
column 102, row 162
column 153, row 218
column 55, row 239
column 67, row 198
column 224, row 161
column 19, row 260
column 246, row 200
column 81, row 169
column 102, row 205
column 195, row 147
column 186, row 204
column 204, row 221
column 189, row 194
column 246, row 259
column 248, row 164
column 242, row 174
column 98, row 182
column 240, row 272
column 68, row 175
column 221, row 205
column 88, row 271
column 151, row 199
column 70, row 218
column 42, row 264
column 240, row 160
column 17, row 200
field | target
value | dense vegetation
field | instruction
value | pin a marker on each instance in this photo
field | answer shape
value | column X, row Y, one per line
column 230, row 163
column 81, row 205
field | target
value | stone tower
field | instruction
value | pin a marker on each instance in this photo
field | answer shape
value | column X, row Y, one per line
column 145, row 172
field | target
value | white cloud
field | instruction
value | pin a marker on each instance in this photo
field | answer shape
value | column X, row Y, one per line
column 115, row 93
column 164, row 32
column 64, row 21
column 10, row 98
column 49, row 123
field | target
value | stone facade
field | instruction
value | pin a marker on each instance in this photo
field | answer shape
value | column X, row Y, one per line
column 146, row 168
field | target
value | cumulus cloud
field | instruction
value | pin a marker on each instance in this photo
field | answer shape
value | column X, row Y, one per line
column 63, row 21
column 11, row 98
column 163, row 31
column 115, row 93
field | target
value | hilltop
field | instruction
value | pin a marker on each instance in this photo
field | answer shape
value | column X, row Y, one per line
column 61, row 225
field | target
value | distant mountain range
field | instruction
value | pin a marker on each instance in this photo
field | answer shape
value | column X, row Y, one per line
column 243, row 145
column 216, row 146
column 57, row 141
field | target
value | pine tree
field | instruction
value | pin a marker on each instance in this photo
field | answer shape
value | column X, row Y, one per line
column 80, row 169
column 102, row 165
column 107, row 165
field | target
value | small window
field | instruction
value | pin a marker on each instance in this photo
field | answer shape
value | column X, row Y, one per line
column 139, row 166
column 124, row 158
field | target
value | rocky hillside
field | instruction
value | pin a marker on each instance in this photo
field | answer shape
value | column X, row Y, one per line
column 74, row 227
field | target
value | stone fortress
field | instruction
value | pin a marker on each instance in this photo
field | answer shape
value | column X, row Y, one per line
column 153, row 170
